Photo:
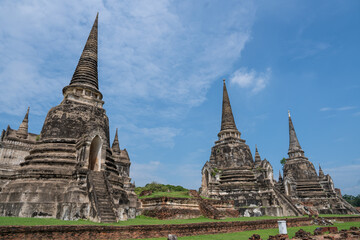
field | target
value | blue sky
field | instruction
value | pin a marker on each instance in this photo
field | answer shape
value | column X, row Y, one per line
column 161, row 65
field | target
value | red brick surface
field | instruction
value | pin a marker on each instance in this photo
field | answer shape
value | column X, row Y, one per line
column 146, row 231
column 142, row 231
column 345, row 219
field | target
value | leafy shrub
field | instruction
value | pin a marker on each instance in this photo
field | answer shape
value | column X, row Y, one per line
column 158, row 187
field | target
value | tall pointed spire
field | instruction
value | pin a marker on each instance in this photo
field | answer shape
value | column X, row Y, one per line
column 294, row 145
column 86, row 72
column 23, row 129
column 257, row 156
column 227, row 119
column 115, row 146
column 321, row 173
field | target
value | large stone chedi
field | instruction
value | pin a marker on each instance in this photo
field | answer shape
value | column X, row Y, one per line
column 71, row 171
column 305, row 187
column 232, row 174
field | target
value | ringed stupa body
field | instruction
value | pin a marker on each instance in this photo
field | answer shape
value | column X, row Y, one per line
column 309, row 191
column 233, row 174
column 71, row 171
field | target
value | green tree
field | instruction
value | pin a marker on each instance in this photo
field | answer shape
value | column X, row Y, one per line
column 283, row 161
column 355, row 201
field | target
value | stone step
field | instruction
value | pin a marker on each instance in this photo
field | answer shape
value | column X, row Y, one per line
column 231, row 174
column 108, row 220
column 309, row 188
column 50, row 155
column 101, row 191
column 104, row 205
column 97, row 182
column 52, row 161
column 51, row 148
column 108, row 217
column 103, row 197
column 108, row 214
column 45, row 146
column 238, row 176
column 311, row 195
column 101, row 194
column 105, row 211
column 237, row 180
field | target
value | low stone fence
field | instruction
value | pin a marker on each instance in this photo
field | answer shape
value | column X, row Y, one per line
column 140, row 231
column 345, row 219
column 149, row 231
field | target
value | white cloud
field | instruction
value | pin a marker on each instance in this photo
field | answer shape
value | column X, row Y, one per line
column 344, row 108
column 160, row 51
column 145, row 137
column 309, row 48
column 161, row 135
column 251, row 79
column 146, row 172
column 324, row 109
column 341, row 178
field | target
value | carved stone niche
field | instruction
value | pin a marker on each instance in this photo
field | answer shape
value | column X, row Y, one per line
column 91, row 152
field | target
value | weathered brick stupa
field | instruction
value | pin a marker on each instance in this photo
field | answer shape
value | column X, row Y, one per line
column 308, row 190
column 232, row 174
column 70, row 171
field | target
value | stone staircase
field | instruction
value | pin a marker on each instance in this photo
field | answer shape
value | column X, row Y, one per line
column 102, row 197
column 205, row 207
column 287, row 201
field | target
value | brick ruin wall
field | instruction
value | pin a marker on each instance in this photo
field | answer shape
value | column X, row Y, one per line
column 181, row 208
column 140, row 231
column 146, row 231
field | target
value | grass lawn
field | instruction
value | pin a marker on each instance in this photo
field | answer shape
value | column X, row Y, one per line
column 143, row 220
column 140, row 220
column 264, row 233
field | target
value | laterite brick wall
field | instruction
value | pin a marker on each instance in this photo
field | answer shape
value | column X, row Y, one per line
column 142, row 231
